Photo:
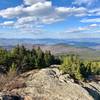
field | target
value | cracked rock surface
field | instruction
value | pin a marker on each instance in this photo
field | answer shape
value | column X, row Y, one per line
column 50, row 84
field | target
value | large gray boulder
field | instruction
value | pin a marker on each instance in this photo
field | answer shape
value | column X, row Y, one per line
column 50, row 84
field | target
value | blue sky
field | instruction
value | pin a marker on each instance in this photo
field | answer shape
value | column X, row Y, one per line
column 49, row 18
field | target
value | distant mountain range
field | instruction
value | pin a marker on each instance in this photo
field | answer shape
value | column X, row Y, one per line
column 93, row 43
column 85, row 48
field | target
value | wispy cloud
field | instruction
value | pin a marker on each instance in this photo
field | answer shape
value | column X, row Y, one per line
column 31, row 2
column 11, row 12
column 91, row 20
column 81, row 29
column 7, row 23
column 95, row 12
column 86, row 2
column 39, row 12
column 33, row 15
column 71, row 11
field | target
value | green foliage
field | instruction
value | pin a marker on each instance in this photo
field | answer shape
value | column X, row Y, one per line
column 12, row 71
column 13, row 67
column 71, row 65
column 78, row 68
column 48, row 58
column 24, row 59
column 20, row 59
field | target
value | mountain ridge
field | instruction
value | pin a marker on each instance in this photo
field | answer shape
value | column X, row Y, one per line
column 85, row 42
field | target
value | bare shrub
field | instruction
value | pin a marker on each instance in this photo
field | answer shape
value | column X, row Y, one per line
column 10, row 81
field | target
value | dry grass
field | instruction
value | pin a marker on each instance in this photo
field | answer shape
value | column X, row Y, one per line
column 6, row 78
column 3, row 81
column 10, row 81
column 15, row 84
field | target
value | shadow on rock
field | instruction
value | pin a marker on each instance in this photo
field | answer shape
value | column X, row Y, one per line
column 93, row 93
column 7, row 97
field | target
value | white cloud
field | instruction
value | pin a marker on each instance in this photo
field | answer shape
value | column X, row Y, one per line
column 50, row 20
column 86, row 2
column 82, row 29
column 25, row 20
column 40, row 12
column 90, row 31
column 77, row 30
column 95, row 12
column 92, row 20
column 81, row 11
column 31, row 2
column 11, row 12
column 94, row 25
column 7, row 23
column 39, row 9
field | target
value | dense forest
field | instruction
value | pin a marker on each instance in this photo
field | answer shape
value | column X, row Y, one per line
column 20, row 59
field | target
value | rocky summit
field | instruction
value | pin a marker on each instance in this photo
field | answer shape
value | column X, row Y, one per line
column 51, row 84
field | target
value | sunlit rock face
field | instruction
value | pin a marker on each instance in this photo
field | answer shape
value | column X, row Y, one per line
column 50, row 84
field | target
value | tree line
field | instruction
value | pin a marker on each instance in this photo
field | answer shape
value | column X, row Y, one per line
column 79, row 69
column 23, row 59
column 20, row 59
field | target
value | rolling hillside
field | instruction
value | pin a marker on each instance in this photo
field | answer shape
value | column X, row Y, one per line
column 88, row 49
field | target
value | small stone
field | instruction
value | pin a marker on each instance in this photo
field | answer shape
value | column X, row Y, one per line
column 27, row 98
